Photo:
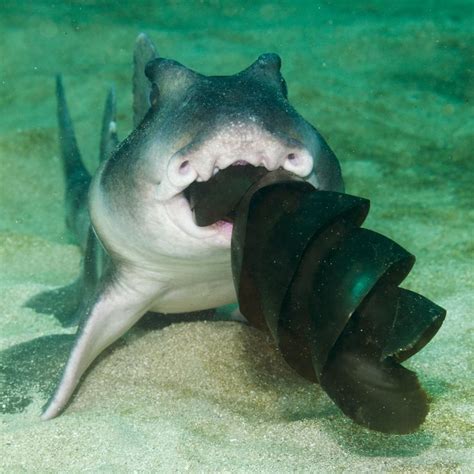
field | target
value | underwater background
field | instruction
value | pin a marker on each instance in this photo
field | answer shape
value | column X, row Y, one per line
column 390, row 85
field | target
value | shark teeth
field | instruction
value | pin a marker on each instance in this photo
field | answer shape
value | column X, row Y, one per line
column 201, row 179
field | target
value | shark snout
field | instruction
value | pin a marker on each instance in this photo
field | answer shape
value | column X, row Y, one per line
column 202, row 160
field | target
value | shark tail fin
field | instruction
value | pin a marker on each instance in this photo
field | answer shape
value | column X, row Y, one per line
column 143, row 53
column 76, row 176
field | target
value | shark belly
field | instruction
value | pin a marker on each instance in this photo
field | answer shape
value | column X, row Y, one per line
column 195, row 297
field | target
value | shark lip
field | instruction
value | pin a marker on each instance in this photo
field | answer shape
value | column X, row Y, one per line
column 181, row 213
column 206, row 209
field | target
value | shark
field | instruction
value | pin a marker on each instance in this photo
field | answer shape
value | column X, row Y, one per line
column 142, row 248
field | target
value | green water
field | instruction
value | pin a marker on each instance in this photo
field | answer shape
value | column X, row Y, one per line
column 390, row 86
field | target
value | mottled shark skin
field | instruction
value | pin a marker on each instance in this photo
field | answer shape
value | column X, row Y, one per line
column 143, row 250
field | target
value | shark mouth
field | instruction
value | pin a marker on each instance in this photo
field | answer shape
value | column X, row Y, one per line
column 213, row 202
column 216, row 202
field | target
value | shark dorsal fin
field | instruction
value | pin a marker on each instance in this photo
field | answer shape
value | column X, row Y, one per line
column 143, row 53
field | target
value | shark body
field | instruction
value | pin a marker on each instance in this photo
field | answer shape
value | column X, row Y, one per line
column 142, row 248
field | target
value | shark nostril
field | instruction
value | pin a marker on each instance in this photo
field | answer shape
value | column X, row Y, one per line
column 299, row 162
column 181, row 171
column 184, row 167
column 292, row 161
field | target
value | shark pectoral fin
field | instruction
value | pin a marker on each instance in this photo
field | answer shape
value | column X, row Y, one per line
column 143, row 53
column 114, row 309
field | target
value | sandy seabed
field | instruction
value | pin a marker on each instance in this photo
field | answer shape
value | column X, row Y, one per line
column 390, row 87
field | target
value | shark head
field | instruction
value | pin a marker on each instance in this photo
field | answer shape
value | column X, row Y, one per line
column 196, row 126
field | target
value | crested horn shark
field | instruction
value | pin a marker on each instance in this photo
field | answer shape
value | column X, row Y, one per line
column 142, row 249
